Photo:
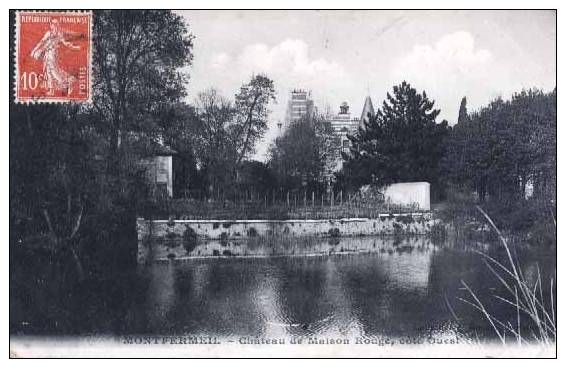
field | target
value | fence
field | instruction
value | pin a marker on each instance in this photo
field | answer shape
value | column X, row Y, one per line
column 276, row 204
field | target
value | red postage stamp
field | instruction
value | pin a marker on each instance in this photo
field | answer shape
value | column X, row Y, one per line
column 53, row 56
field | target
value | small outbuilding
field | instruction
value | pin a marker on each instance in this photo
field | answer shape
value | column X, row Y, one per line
column 158, row 164
column 409, row 194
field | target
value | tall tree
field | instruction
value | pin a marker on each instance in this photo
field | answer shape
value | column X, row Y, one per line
column 180, row 132
column 507, row 146
column 306, row 153
column 137, row 61
column 402, row 142
column 228, row 131
column 57, row 183
column 251, row 105
column 463, row 117
column 215, row 149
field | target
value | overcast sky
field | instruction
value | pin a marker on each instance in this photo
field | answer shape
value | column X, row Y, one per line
column 346, row 55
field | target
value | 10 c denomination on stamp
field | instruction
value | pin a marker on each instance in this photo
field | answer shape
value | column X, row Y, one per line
column 53, row 56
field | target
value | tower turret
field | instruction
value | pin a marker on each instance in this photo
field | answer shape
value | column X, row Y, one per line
column 367, row 111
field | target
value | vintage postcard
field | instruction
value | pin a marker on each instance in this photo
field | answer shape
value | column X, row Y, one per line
column 283, row 183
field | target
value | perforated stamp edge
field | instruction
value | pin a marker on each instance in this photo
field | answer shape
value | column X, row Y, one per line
column 51, row 100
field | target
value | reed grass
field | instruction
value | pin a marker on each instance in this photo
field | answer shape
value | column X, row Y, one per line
column 527, row 298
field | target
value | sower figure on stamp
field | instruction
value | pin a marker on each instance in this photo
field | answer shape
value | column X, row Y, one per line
column 55, row 78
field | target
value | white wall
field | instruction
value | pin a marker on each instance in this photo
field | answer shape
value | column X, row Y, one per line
column 159, row 170
column 166, row 173
column 408, row 193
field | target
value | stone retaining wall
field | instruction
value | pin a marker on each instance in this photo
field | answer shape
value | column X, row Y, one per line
column 169, row 233
column 386, row 224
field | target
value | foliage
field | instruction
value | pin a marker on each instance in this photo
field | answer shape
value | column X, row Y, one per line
column 214, row 148
column 463, row 117
column 506, row 147
column 401, row 143
column 74, row 183
column 251, row 106
column 256, row 176
column 305, row 154
column 180, row 135
column 137, row 60
column 226, row 132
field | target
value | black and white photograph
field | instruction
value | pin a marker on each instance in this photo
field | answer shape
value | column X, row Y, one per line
column 282, row 183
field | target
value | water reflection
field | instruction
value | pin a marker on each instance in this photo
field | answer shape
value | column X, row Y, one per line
column 160, row 293
column 349, row 287
column 316, row 287
column 285, row 247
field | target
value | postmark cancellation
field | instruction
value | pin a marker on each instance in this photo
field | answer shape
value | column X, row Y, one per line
column 53, row 57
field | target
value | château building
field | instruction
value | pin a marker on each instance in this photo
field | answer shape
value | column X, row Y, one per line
column 300, row 105
column 367, row 112
column 343, row 124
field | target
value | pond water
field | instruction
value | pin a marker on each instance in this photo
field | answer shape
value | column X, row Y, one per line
column 366, row 287
column 351, row 287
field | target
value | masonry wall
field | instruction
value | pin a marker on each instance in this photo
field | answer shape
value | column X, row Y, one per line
column 385, row 224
